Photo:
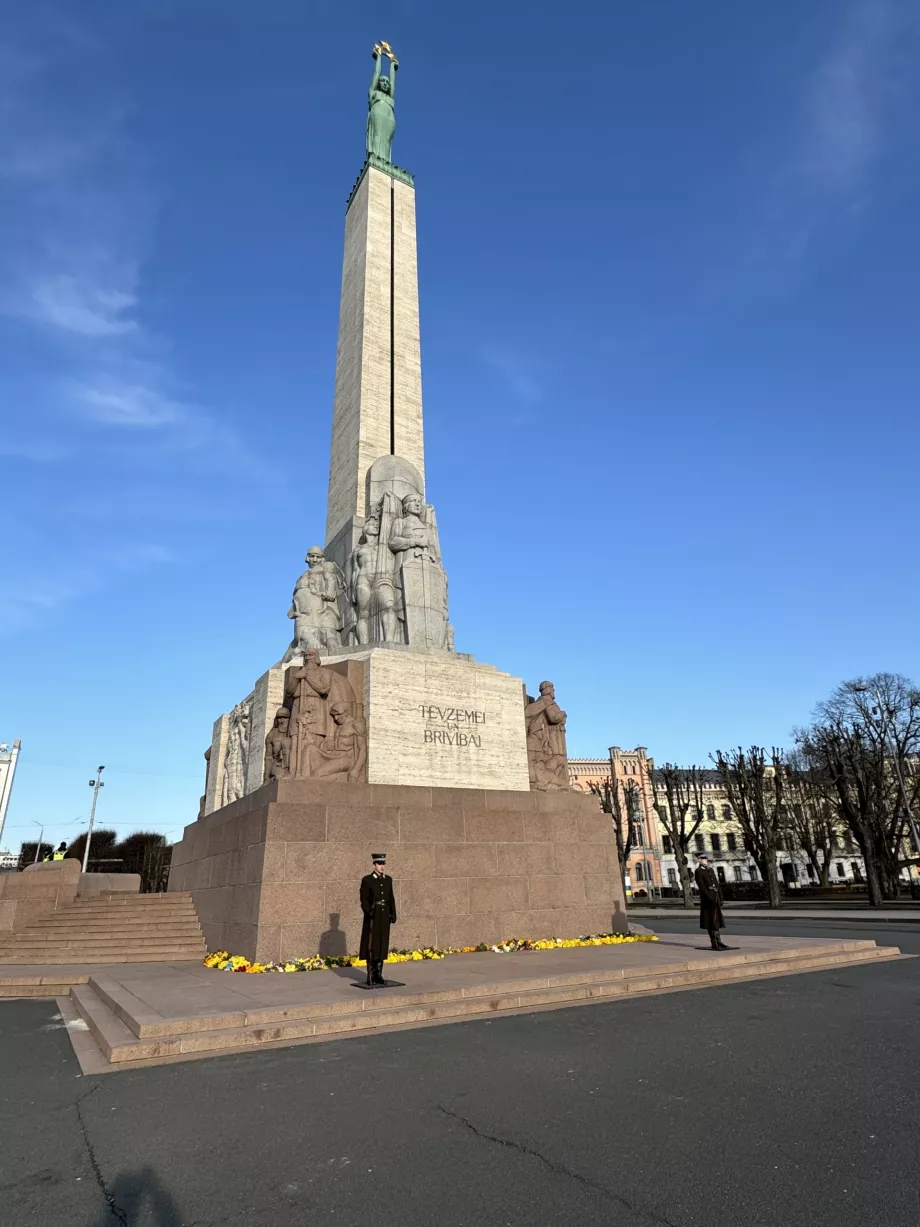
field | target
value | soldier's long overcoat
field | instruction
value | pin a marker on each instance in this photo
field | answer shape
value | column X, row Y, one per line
column 378, row 904
column 710, row 898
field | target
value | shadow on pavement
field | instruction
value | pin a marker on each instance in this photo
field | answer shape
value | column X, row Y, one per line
column 132, row 1191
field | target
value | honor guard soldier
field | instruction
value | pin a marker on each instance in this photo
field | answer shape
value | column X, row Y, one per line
column 711, row 918
column 379, row 908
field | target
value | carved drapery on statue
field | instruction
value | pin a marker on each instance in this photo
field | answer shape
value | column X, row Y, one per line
column 316, row 606
column 236, row 755
column 328, row 735
column 381, row 106
column 396, row 584
column 546, row 751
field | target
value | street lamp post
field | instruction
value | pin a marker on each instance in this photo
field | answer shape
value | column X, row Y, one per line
column 95, row 785
column 881, row 706
column 38, row 846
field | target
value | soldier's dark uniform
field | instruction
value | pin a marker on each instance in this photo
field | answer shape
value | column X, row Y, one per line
column 379, row 907
column 711, row 918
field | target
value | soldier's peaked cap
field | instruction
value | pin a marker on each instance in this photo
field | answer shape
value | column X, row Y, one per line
column 379, row 858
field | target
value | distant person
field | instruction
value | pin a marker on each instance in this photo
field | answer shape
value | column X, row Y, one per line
column 57, row 855
column 711, row 918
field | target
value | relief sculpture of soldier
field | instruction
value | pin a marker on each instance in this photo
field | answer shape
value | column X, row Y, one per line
column 544, row 721
column 278, row 747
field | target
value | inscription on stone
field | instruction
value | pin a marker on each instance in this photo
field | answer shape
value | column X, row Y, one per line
column 453, row 726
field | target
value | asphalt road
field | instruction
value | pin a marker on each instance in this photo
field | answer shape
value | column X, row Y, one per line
column 793, row 1101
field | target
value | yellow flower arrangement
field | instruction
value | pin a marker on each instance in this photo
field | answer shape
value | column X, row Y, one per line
column 222, row 960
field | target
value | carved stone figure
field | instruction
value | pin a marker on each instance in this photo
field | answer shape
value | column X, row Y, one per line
column 343, row 753
column 311, row 692
column 236, row 756
column 372, row 589
column 278, row 747
column 411, row 533
column 315, row 606
column 546, row 752
column 413, row 539
column 381, row 106
column 207, row 773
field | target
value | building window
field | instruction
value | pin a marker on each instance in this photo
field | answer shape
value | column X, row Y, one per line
column 716, row 841
column 857, row 872
column 711, row 812
column 666, row 844
column 732, row 839
column 672, row 877
column 638, row 872
column 726, row 813
column 700, row 843
column 753, row 873
column 738, row 873
column 841, row 872
column 780, row 844
column 720, row 870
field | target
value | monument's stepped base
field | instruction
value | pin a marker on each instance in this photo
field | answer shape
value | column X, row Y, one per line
column 276, row 874
column 133, row 1016
column 117, row 928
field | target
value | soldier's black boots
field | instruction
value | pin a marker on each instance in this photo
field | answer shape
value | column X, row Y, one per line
column 378, row 974
column 714, row 939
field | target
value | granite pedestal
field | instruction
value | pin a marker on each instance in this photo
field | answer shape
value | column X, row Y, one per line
column 276, row 874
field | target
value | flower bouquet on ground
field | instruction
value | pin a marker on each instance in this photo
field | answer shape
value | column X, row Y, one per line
column 222, row 960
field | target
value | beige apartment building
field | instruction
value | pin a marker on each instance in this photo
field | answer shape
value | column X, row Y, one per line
column 651, row 863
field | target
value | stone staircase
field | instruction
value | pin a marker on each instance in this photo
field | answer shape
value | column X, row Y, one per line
column 111, row 928
column 126, row 1029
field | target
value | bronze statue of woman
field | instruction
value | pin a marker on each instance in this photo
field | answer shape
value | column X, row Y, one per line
column 381, row 102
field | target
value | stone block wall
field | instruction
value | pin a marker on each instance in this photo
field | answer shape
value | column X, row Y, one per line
column 36, row 892
column 276, row 874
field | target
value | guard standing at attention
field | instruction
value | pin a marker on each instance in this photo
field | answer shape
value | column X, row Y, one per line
column 379, row 907
column 711, row 918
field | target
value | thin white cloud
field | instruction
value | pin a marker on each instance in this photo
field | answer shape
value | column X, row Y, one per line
column 83, row 306
column 31, row 601
column 80, row 207
column 850, row 98
column 857, row 112
column 130, row 405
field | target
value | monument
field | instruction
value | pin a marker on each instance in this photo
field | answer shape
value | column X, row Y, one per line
column 372, row 729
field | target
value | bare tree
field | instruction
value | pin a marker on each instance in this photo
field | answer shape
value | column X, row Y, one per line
column 756, row 793
column 678, row 801
column 863, row 746
column 618, row 799
column 812, row 820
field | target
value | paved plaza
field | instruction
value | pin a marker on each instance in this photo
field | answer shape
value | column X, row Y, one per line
column 783, row 1100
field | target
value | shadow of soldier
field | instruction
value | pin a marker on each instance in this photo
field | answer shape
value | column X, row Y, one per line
column 333, row 944
column 140, row 1190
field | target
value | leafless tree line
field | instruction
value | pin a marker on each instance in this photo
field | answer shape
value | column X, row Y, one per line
column 853, row 774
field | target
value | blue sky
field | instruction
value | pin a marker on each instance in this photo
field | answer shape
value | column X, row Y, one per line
column 668, row 271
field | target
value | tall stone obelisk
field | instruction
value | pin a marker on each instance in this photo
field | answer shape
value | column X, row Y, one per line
column 373, row 732
column 377, row 408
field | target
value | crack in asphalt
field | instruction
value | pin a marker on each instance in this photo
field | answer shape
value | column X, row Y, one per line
column 115, row 1210
column 560, row 1170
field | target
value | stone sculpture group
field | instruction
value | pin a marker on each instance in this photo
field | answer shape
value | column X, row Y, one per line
column 319, row 732
column 394, row 589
